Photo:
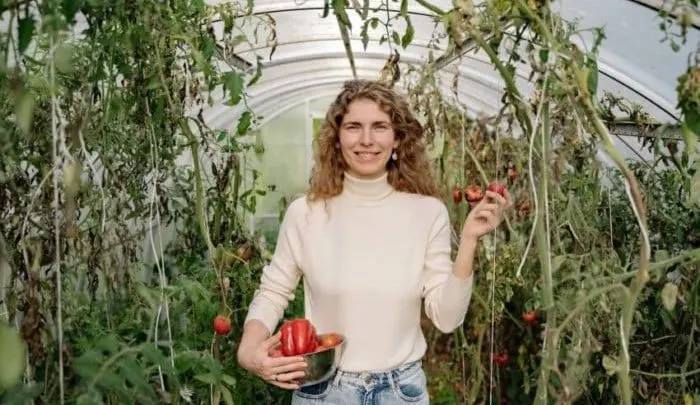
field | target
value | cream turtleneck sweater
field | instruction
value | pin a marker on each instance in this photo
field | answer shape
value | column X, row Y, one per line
column 367, row 259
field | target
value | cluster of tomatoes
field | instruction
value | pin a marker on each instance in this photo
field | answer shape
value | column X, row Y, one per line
column 298, row 337
column 532, row 319
column 473, row 194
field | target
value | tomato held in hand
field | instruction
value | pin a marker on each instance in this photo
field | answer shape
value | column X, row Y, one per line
column 497, row 188
column 298, row 336
column 474, row 193
column 222, row 325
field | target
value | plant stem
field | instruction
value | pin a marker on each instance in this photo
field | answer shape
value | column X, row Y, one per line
column 544, row 253
column 635, row 196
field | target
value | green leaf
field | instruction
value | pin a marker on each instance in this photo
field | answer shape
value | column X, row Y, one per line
column 12, row 351
column 25, row 32
column 228, row 23
column 544, row 55
column 228, row 398
column 229, row 380
column 258, row 71
column 395, row 37
column 69, row 8
column 404, row 8
column 593, row 78
column 339, row 10
column 244, row 123
column 557, row 261
column 233, row 83
column 25, row 111
column 63, row 58
column 408, row 35
column 207, row 378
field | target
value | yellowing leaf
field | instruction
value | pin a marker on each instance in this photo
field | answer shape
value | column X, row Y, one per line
column 669, row 296
column 610, row 365
column 695, row 186
column 688, row 399
column 12, row 351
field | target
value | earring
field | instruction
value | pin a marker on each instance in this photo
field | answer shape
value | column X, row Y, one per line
column 394, row 156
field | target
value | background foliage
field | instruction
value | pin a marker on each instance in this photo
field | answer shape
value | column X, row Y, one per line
column 98, row 134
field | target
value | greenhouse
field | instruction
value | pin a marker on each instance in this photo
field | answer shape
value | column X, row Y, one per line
column 153, row 154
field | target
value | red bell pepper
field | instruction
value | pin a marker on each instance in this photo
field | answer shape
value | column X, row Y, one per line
column 298, row 336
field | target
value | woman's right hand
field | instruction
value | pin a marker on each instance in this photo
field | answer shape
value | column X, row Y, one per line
column 283, row 372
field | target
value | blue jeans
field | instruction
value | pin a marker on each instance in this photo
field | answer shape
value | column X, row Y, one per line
column 404, row 385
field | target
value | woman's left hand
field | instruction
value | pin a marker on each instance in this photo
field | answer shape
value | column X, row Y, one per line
column 486, row 215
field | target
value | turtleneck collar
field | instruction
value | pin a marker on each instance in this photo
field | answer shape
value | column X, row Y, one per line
column 374, row 189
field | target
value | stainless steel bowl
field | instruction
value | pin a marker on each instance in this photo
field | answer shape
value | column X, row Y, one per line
column 321, row 365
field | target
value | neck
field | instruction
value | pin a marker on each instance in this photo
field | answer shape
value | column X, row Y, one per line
column 369, row 189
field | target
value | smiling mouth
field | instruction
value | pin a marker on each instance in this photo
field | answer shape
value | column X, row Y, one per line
column 367, row 156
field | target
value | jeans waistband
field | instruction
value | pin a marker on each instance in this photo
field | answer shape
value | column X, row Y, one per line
column 378, row 376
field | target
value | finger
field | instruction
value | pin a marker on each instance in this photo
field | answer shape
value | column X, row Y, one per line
column 487, row 207
column 286, row 368
column 272, row 341
column 493, row 196
column 290, row 377
column 273, row 362
column 286, row 386
column 485, row 215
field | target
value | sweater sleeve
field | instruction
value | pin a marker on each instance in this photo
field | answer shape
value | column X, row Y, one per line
column 281, row 276
column 446, row 296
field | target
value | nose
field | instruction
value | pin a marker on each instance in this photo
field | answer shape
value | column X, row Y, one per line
column 366, row 137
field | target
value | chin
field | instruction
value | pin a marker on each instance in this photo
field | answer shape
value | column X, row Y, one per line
column 363, row 171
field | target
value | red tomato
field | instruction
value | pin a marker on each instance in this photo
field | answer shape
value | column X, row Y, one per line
column 524, row 208
column 530, row 317
column 500, row 359
column 222, row 325
column 330, row 339
column 298, row 336
column 497, row 188
column 457, row 195
column 474, row 193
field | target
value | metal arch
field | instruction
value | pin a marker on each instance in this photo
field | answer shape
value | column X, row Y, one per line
column 271, row 100
column 658, row 5
column 330, row 37
column 281, row 7
column 264, row 85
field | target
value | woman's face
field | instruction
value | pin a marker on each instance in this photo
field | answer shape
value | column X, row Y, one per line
column 367, row 139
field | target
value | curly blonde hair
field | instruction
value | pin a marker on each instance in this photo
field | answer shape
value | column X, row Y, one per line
column 410, row 172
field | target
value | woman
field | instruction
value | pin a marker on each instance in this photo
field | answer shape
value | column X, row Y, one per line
column 371, row 240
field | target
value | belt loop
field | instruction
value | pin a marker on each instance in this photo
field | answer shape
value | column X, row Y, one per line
column 336, row 378
column 391, row 376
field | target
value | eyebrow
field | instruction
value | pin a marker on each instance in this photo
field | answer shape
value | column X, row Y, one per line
column 373, row 123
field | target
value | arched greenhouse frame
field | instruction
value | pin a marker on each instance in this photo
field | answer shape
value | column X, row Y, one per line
column 149, row 151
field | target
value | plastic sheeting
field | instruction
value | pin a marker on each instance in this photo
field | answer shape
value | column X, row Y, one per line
column 310, row 61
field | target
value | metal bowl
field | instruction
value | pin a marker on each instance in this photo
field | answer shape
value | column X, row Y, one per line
column 322, row 364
